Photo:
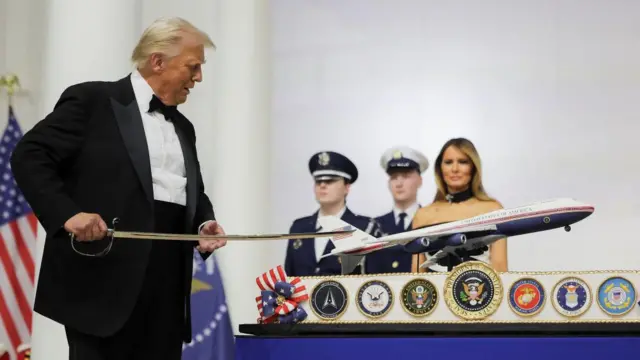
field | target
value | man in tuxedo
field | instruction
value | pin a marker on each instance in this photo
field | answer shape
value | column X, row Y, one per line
column 122, row 150
column 404, row 166
column 333, row 174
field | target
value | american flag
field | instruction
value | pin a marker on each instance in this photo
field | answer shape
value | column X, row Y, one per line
column 18, row 230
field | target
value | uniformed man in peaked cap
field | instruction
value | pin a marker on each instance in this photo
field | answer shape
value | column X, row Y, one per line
column 333, row 174
column 404, row 166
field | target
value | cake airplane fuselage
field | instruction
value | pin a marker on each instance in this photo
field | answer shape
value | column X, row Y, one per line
column 468, row 234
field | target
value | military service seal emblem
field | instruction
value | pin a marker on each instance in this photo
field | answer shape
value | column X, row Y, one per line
column 375, row 298
column 616, row 296
column 419, row 297
column 527, row 297
column 473, row 290
column 329, row 300
column 571, row 297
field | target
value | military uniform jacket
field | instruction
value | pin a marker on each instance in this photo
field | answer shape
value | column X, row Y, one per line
column 392, row 259
column 300, row 259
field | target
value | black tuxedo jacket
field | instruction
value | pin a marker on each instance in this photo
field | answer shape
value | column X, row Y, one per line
column 90, row 155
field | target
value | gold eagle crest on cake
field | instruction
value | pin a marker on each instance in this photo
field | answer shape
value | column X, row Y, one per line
column 473, row 290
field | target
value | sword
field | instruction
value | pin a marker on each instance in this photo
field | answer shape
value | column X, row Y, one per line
column 190, row 237
column 112, row 233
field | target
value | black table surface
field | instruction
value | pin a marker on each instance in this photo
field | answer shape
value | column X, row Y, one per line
column 457, row 330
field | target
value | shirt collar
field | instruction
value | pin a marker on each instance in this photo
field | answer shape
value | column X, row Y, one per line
column 410, row 211
column 142, row 91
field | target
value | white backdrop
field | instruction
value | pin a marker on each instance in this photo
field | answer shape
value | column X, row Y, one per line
column 547, row 90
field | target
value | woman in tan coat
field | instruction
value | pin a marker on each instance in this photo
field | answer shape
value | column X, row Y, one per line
column 460, row 195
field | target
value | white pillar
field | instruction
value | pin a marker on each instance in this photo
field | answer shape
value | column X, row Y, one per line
column 85, row 40
column 240, row 149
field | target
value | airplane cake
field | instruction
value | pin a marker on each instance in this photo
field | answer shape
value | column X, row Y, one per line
column 471, row 292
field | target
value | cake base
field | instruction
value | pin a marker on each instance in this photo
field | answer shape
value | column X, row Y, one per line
column 390, row 329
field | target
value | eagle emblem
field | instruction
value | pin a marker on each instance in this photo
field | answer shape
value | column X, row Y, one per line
column 472, row 291
column 418, row 296
column 526, row 297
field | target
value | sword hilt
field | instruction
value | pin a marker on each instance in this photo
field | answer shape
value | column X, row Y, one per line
column 110, row 233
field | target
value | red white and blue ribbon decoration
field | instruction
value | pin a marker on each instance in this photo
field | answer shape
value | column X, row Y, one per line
column 279, row 299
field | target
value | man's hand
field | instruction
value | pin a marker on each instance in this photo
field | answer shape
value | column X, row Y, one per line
column 211, row 228
column 86, row 227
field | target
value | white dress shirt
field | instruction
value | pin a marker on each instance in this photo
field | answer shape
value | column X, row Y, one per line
column 410, row 211
column 168, row 173
column 321, row 243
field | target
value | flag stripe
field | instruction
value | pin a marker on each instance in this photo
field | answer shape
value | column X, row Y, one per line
column 29, row 236
column 26, row 282
column 33, row 222
column 6, row 343
column 12, row 278
column 12, row 305
column 8, row 323
column 23, row 250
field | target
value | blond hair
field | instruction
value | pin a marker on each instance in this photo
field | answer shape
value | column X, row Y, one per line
column 165, row 36
column 468, row 149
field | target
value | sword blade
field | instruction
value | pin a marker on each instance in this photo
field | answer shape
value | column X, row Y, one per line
column 191, row 237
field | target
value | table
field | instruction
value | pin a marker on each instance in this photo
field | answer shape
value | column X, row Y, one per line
column 477, row 342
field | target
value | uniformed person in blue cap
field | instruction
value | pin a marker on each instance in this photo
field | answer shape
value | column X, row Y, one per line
column 404, row 166
column 333, row 174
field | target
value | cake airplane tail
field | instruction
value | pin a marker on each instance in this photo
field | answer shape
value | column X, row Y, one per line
column 350, row 248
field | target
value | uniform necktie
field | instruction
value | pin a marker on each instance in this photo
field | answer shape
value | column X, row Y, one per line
column 156, row 104
column 400, row 224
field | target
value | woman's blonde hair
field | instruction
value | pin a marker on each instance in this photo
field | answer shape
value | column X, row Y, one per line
column 468, row 149
column 164, row 36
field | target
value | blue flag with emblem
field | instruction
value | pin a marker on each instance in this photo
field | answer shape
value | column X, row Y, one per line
column 212, row 337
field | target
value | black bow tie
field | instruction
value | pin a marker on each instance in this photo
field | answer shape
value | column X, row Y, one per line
column 156, row 104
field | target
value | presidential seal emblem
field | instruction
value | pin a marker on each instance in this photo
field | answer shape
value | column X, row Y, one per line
column 527, row 297
column 616, row 296
column 329, row 300
column 419, row 297
column 571, row 297
column 374, row 299
column 473, row 290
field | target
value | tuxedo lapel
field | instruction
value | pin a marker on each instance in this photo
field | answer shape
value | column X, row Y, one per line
column 188, row 152
column 132, row 132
